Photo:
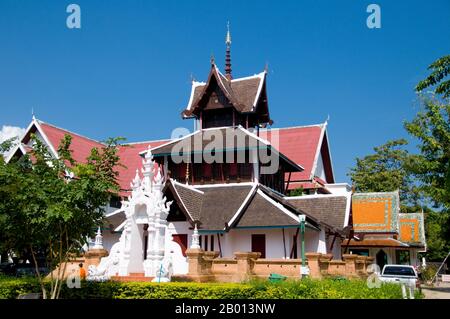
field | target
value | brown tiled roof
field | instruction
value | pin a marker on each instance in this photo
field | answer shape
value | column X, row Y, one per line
column 232, row 138
column 215, row 206
column 260, row 212
column 243, row 93
column 246, row 91
column 327, row 209
column 220, row 204
column 191, row 199
column 199, row 140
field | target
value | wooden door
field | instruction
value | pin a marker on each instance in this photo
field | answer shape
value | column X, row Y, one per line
column 182, row 240
column 259, row 244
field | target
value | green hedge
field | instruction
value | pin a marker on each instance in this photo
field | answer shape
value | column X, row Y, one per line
column 11, row 288
column 304, row 289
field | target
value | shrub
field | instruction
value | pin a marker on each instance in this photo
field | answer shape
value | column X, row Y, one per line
column 12, row 287
column 255, row 289
column 427, row 273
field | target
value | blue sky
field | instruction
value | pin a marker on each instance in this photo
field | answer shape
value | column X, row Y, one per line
column 127, row 71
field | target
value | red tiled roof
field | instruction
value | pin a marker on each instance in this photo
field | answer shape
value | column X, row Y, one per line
column 299, row 144
column 81, row 146
column 129, row 155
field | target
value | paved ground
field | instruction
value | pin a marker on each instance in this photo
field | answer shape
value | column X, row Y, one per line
column 440, row 291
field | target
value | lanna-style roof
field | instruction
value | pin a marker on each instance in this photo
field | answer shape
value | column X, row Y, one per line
column 222, row 139
column 375, row 212
column 301, row 145
column 81, row 147
column 189, row 199
column 377, row 217
column 308, row 146
column 333, row 210
column 52, row 135
column 411, row 229
column 247, row 95
column 240, row 205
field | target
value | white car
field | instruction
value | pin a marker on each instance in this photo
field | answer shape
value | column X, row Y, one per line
column 400, row 274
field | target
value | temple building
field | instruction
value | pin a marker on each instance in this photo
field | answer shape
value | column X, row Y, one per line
column 225, row 189
column 381, row 231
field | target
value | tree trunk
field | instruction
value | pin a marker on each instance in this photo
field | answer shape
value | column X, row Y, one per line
column 41, row 282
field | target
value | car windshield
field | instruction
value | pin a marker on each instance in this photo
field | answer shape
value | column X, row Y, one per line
column 399, row 271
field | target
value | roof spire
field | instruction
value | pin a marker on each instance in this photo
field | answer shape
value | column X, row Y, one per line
column 228, row 53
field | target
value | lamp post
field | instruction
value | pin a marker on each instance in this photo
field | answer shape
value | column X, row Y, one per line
column 304, row 271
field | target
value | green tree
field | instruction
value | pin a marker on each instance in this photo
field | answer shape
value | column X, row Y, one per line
column 440, row 69
column 50, row 206
column 437, row 232
column 431, row 166
column 296, row 191
column 385, row 171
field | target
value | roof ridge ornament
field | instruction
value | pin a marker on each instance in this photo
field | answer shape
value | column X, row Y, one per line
column 228, row 37
column 228, row 54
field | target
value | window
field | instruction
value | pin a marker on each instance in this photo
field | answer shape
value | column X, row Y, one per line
column 402, row 257
column 115, row 202
column 360, row 252
column 294, row 247
column 399, row 271
column 206, row 243
column 217, row 171
column 212, row 242
column 259, row 244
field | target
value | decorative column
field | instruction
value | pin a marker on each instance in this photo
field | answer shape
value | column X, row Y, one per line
column 98, row 239
column 195, row 259
column 313, row 264
column 195, row 243
column 245, row 264
column 125, row 249
column 94, row 255
column 350, row 264
column 157, row 212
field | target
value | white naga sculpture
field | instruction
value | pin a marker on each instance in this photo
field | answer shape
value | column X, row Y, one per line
column 146, row 207
column 109, row 266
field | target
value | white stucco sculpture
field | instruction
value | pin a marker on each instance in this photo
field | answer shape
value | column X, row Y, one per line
column 165, row 271
column 109, row 266
column 141, row 247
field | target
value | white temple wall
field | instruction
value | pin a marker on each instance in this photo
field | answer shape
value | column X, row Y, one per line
column 109, row 239
column 320, row 170
column 172, row 249
column 241, row 240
